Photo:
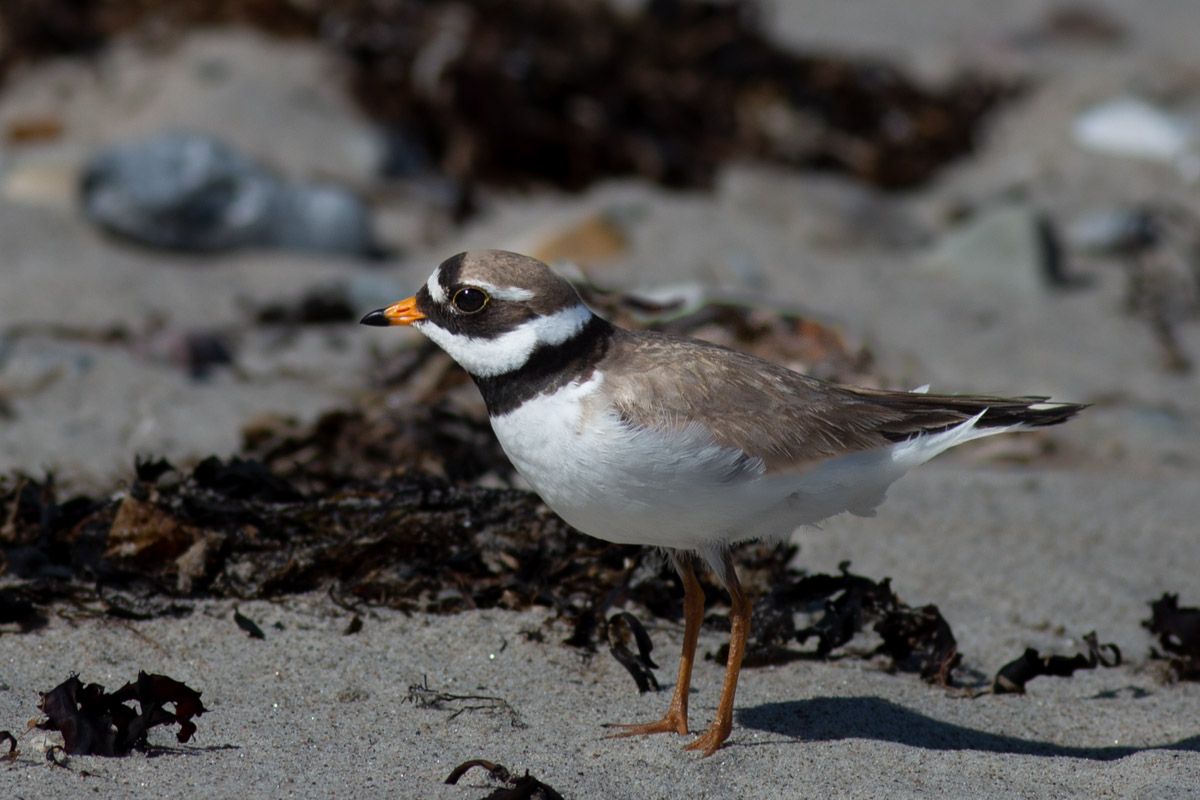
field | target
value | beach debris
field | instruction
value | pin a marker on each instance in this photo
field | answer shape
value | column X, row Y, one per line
column 57, row 756
column 1013, row 676
column 13, row 752
column 1083, row 24
column 594, row 239
column 243, row 479
column 94, row 722
column 1178, row 632
column 43, row 541
column 320, row 305
column 920, row 639
column 33, row 129
column 142, row 531
column 622, row 628
column 915, row 639
column 353, row 626
column 139, row 607
column 533, row 635
column 602, row 92
column 525, row 787
column 190, row 192
column 17, row 607
column 858, row 599
column 149, row 470
column 382, row 438
column 199, row 352
column 336, row 301
column 1008, row 246
column 415, row 538
column 1133, row 127
column 422, row 696
column 585, row 622
column 248, row 625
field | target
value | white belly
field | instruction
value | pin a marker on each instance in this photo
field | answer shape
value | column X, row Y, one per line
column 670, row 489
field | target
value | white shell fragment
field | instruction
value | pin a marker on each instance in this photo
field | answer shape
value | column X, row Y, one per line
column 1131, row 127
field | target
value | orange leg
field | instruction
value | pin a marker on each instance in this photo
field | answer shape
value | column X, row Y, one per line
column 739, row 629
column 675, row 720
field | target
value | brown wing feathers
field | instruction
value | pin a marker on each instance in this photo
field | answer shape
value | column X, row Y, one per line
column 781, row 416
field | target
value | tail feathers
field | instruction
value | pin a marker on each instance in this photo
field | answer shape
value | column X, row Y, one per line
column 919, row 413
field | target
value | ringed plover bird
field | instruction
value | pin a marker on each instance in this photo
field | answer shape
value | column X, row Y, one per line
column 639, row 437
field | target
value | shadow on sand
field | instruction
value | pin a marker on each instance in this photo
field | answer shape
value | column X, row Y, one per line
column 837, row 718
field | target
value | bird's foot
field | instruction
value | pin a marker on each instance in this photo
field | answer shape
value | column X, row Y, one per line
column 711, row 741
column 673, row 722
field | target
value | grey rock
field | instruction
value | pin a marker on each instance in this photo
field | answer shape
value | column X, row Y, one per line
column 191, row 192
column 1008, row 246
column 1113, row 231
column 319, row 219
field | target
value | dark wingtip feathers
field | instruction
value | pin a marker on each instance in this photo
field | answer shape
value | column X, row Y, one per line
column 1039, row 412
column 931, row 413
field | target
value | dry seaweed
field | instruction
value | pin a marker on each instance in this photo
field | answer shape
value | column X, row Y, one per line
column 669, row 93
column 1178, row 632
column 624, row 627
column 57, row 756
column 1013, row 676
column 857, row 600
column 422, row 696
column 17, row 605
column 920, row 639
column 95, row 722
column 915, row 639
column 525, row 787
column 413, row 542
column 381, row 440
column 137, row 607
column 248, row 625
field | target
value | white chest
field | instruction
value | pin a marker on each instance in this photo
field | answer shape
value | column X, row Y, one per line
column 608, row 479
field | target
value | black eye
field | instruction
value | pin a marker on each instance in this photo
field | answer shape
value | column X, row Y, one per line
column 470, row 300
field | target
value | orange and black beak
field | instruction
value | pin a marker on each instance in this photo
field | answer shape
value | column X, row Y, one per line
column 402, row 313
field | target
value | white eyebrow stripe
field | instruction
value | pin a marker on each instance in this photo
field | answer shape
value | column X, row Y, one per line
column 513, row 293
column 434, row 285
column 486, row 358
